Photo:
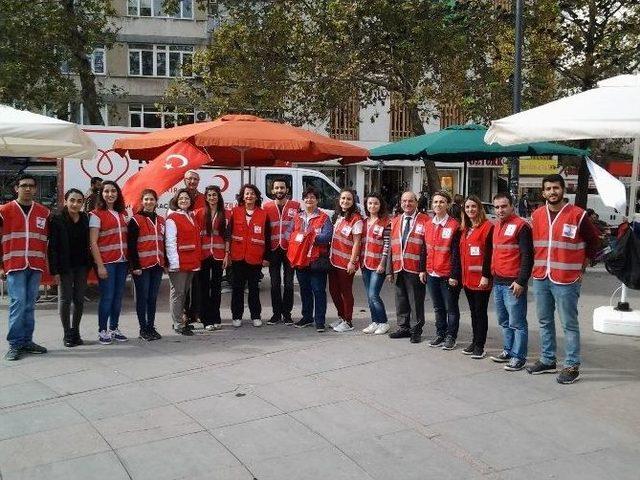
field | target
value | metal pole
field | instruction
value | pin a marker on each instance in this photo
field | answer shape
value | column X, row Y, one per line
column 514, row 179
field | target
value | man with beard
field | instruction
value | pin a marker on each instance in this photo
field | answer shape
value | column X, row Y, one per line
column 563, row 243
column 280, row 213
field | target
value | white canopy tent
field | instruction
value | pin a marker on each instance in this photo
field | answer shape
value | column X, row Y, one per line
column 26, row 134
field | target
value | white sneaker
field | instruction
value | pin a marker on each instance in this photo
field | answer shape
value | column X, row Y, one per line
column 371, row 328
column 104, row 337
column 236, row 323
column 209, row 328
column 217, row 326
column 343, row 327
column 336, row 323
column 117, row 335
column 382, row 329
column 257, row 322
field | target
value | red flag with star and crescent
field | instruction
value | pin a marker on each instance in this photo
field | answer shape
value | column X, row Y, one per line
column 163, row 172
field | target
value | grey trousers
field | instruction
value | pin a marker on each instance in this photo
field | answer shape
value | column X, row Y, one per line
column 410, row 295
column 72, row 288
column 179, row 285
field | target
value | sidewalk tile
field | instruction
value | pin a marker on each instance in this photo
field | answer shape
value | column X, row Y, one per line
column 37, row 418
column 26, row 392
column 101, row 466
column 188, row 386
column 85, row 381
column 302, row 392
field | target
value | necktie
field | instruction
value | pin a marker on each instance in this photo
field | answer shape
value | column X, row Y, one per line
column 405, row 230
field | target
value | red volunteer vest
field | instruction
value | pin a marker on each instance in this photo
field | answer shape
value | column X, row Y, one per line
column 211, row 245
column 505, row 260
column 472, row 254
column 408, row 258
column 302, row 248
column 24, row 237
column 247, row 241
column 438, row 239
column 199, row 201
column 150, row 241
column 280, row 223
column 374, row 243
column 559, row 250
column 342, row 242
column 188, row 241
column 112, row 237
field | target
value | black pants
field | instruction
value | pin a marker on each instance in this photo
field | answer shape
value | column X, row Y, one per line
column 244, row 274
column 210, row 280
column 72, row 288
column 410, row 293
column 478, row 304
column 281, row 299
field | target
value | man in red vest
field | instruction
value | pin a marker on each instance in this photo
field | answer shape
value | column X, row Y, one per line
column 564, row 241
column 280, row 214
column 24, row 230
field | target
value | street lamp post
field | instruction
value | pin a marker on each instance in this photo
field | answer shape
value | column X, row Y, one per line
column 514, row 178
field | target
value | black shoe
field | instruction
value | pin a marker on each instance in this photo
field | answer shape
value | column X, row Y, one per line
column 539, row 368
column 77, row 341
column 33, row 347
column 185, row 331
column 568, row 375
column 189, row 327
column 14, row 353
column 504, row 357
column 146, row 335
column 515, row 364
column 155, row 334
column 469, row 350
column 287, row 320
column 437, row 342
column 303, row 323
column 478, row 353
column 416, row 338
column 449, row 343
column 400, row 333
column 68, row 342
column 273, row 321
column 320, row 329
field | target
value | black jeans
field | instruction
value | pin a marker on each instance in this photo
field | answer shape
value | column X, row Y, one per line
column 281, row 299
column 410, row 293
column 445, row 305
column 210, row 284
column 478, row 304
column 244, row 274
column 72, row 287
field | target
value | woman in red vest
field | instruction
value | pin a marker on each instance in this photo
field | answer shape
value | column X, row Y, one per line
column 145, row 236
column 345, row 257
column 214, row 256
column 476, row 242
column 182, row 241
column 374, row 260
column 108, row 241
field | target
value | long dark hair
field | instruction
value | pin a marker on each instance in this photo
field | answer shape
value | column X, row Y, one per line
column 147, row 191
column 482, row 216
column 207, row 208
column 382, row 213
column 256, row 190
column 337, row 211
column 118, row 205
column 173, row 204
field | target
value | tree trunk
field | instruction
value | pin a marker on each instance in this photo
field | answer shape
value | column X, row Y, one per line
column 433, row 177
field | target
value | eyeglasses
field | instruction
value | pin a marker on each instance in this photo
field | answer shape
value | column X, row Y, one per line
column 27, row 185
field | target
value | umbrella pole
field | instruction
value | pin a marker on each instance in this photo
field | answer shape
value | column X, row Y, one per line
column 242, row 150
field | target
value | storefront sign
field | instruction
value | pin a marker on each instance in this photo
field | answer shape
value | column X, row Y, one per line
column 487, row 163
column 539, row 166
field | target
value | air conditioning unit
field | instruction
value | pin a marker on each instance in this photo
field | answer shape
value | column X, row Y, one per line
column 201, row 116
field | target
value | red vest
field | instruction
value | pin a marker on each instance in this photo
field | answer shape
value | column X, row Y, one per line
column 112, row 237
column 472, row 254
column 342, row 242
column 211, row 245
column 562, row 262
column 150, row 241
column 24, row 237
column 438, row 239
column 408, row 258
column 505, row 259
column 280, row 223
column 199, row 201
column 302, row 248
column 188, row 241
column 247, row 241
column 374, row 243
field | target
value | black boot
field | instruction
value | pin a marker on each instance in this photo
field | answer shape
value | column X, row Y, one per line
column 68, row 339
column 75, row 337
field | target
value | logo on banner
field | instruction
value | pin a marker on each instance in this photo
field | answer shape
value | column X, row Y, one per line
column 168, row 162
column 107, row 163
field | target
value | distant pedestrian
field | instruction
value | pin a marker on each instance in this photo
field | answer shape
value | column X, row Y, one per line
column 91, row 197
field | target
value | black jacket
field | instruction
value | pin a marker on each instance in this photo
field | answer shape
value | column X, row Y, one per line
column 60, row 249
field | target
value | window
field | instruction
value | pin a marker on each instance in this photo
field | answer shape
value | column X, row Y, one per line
column 160, row 60
column 271, row 177
column 400, row 119
column 152, row 116
column 344, row 121
column 78, row 114
column 328, row 193
column 153, row 8
column 97, row 59
column 450, row 115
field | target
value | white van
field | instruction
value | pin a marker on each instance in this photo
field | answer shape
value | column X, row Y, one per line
column 609, row 215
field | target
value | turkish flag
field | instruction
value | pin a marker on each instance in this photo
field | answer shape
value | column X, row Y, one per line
column 164, row 171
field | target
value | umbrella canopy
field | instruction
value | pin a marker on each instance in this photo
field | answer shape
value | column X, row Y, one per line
column 232, row 139
column 26, row 134
column 461, row 143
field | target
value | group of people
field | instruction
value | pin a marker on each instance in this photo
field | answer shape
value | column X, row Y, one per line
column 200, row 239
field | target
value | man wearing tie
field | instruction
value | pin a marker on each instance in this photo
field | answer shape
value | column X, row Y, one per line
column 406, row 261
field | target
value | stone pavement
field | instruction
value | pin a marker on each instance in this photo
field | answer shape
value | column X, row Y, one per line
column 284, row 403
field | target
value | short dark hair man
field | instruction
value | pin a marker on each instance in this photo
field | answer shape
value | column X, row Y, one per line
column 91, row 197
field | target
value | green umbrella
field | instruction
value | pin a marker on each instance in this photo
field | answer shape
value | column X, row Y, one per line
column 464, row 142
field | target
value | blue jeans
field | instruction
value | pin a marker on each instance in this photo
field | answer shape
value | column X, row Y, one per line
column 565, row 297
column 445, row 305
column 22, row 287
column 373, row 283
column 512, row 317
column 147, row 286
column 313, row 293
column 111, row 290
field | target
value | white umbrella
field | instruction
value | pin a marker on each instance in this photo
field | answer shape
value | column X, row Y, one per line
column 26, row 134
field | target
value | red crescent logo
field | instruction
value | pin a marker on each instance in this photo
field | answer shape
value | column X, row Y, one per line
column 225, row 182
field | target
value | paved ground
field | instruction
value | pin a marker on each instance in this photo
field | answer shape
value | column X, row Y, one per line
column 282, row 403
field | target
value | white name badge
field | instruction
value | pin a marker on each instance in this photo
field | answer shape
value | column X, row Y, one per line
column 346, row 230
column 569, row 230
column 510, row 230
column 318, row 230
column 419, row 229
column 257, row 229
column 162, row 229
column 378, row 230
column 291, row 213
column 474, row 251
column 41, row 222
column 446, row 233
column 299, row 237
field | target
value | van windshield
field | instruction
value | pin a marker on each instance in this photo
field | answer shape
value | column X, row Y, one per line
column 328, row 193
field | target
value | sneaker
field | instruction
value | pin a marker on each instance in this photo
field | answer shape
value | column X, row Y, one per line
column 236, row 323
column 569, row 375
column 469, row 350
column 104, row 337
column 343, row 327
column 478, row 353
column 209, row 328
column 437, row 342
column 13, row 354
column 515, row 364
column 504, row 357
column 32, row 347
column 303, row 323
column 372, row 327
column 336, row 323
column 416, row 337
column 118, row 336
column 382, row 329
column 257, row 322
column 539, row 368
column 273, row 320
column 320, row 329
column 400, row 333
column 287, row 321
column 155, row 334
column 146, row 335
column 217, row 326
column 449, row 343
column 185, row 331
column 67, row 341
